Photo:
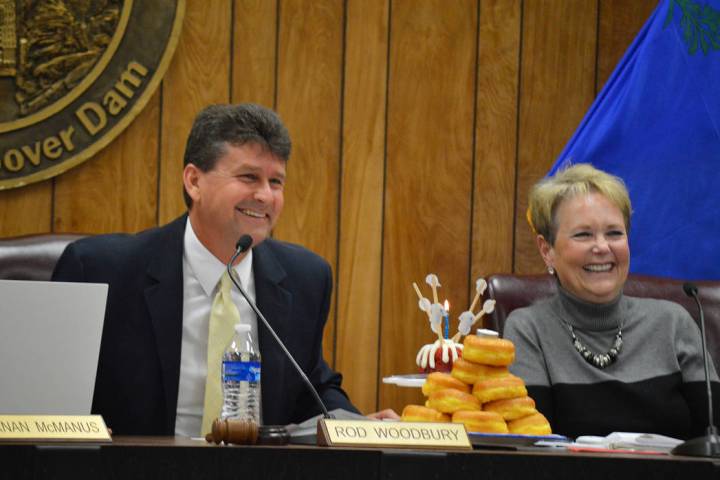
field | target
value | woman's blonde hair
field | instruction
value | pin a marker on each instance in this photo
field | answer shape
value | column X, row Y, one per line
column 580, row 179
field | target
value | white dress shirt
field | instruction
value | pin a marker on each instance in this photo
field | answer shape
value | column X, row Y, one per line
column 201, row 278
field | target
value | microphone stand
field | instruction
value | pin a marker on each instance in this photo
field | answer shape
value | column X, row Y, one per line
column 708, row 445
column 242, row 245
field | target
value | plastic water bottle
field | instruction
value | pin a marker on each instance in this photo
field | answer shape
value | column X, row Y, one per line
column 241, row 377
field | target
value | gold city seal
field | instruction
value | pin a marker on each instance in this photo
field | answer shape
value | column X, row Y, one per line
column 73, row 75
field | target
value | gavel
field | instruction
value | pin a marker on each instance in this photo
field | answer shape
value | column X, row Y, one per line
column 246, row 432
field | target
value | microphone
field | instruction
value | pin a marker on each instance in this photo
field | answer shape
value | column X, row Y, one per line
column 690, row 289
column 242, row 246
column 708, row 445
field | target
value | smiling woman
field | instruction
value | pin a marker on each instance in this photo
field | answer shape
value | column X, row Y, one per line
column 590, row 255
column 648, row 374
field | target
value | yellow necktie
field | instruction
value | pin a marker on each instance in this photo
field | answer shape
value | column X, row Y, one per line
column 223, row 317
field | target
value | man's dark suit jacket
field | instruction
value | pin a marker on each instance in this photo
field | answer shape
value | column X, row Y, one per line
column 136, row 388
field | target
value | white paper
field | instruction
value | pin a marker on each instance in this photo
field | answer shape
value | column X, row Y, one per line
column 631, row 441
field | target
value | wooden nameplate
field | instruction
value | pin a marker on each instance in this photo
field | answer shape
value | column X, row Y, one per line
column 370, row 433
column 53, row 428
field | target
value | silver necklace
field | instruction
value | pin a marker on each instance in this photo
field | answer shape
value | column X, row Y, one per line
column 597, row 360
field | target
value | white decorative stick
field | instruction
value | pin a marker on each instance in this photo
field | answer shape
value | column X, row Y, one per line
column 466, row 321
column 423, row 303
column 480, row 286
column 433, row 281
column 436, row 314
column 488, row 307
column 417, row 290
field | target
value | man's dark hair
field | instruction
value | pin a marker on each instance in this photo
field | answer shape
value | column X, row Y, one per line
column 219, row 125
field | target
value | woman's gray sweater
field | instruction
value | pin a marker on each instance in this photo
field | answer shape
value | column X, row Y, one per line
column 656, row 384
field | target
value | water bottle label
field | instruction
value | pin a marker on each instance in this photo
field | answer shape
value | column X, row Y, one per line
column 241, row 371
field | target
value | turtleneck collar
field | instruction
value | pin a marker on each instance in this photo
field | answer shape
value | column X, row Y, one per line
column 590, row 316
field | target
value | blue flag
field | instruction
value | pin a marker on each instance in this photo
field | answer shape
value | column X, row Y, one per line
column 656, row 124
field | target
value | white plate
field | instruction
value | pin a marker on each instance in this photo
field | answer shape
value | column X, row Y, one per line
column 413, row 380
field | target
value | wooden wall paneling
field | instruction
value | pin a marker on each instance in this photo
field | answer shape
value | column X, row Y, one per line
column 360, row 249
column 620, row 22
column 495, row 137
column 253, row 53
column 556, row 88
column 308, row 99
column 198, row 76
column 26, row 210
column 429, row 175
column 115, row 191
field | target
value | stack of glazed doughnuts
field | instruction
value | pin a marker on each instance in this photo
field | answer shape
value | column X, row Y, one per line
column 480, row 392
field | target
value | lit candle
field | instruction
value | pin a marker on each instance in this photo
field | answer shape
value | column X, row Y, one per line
column 446, row 320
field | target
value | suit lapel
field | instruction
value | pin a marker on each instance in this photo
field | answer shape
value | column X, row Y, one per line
column 274, row 302
column 164, row 299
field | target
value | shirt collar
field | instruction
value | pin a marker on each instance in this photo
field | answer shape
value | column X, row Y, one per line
column 206, row 267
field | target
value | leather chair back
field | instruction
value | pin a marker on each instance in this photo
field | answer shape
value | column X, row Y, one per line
column 32, row 257
column 516, row 291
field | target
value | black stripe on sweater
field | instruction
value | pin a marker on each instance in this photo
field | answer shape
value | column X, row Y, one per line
column 662, row 405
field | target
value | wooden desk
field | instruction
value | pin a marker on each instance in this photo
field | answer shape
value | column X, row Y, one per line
column 169, row 458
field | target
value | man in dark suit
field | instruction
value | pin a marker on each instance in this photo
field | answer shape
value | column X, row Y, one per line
column 152, row 364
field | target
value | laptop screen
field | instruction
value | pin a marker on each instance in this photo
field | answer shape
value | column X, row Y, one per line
column 49, row 345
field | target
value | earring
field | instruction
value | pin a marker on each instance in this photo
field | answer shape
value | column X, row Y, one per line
column 551, row 270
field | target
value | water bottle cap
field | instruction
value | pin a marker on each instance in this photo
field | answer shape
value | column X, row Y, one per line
column 242, row 328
